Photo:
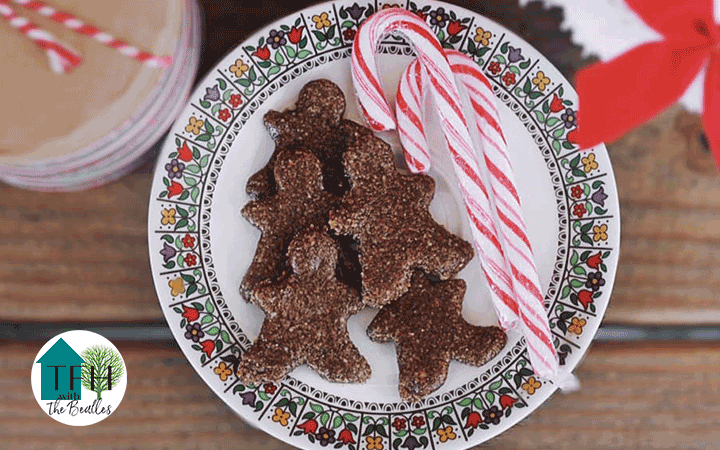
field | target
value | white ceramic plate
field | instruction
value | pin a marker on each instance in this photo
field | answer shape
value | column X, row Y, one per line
column 200, row 246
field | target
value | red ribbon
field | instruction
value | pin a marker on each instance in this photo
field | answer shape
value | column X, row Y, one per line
column 619, row 95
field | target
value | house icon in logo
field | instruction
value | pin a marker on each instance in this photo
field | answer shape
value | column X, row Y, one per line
column 60, row 373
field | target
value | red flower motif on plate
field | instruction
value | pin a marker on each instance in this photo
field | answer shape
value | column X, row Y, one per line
column 174, row 189
column 184, row 153
column 191, row 314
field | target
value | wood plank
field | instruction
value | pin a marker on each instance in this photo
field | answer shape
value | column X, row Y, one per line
column 77, row 256
column 669, row 205
column 663, row 395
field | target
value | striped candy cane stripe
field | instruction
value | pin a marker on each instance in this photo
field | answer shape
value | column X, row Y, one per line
column 507, row 203
column 72, row 22
column 408, row 109
column 444, row 90
column 511, row 224
column 62, row 59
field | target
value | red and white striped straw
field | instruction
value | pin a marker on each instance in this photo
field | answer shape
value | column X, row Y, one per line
column 62, row 58
column 507, row 209
column 74, row 23
column 436, row 73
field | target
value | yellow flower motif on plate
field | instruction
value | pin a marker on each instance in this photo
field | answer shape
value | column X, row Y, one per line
column 589, row 163
column 321, row 21
column 177, row 286
column 531, row 385
column 374, row 443
column 576, row 326
column 281, row 417
column 540, row 80
column 239, row 68
column 446, row 434
column 600, row 233
column 482, row 37
column 168, row 216
column 194, row 126
column 223, row 371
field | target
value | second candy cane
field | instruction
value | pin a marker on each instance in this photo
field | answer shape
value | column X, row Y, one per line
column 506, row 200
column 445, row 93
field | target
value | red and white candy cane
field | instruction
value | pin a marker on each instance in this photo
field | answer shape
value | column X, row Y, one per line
column 516, row 244
column 409, row 108
column 62, row 59
column 445, row 92
column 75, row 24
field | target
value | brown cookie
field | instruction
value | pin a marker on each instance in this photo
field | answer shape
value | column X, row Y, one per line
column 314, row 126
column 428, row 329
column 300, row 201
column 387, row 212
column 306, row 319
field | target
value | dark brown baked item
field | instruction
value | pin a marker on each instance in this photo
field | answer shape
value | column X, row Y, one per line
column 315, row 126
column 387, row 212
column 300, row 201
column 306, row 319
column 427, row 326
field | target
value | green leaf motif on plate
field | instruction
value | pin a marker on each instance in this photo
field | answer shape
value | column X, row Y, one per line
column 319, row 36
column 317, row 408
column 337, row 422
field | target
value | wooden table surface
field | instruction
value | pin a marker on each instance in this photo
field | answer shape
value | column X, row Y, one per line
column 80, row 259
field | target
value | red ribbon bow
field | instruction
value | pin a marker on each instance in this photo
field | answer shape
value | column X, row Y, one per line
column 616, row 96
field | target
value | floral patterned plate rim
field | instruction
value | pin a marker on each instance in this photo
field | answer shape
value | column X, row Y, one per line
column 200, row 246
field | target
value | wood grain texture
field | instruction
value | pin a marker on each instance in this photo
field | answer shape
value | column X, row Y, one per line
column 670, row 211
column 659, row 396
column 77, row 256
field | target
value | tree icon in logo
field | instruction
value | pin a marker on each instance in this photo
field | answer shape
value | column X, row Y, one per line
column 102, row 369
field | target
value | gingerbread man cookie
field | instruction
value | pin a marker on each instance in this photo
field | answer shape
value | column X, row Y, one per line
column 427, row 326
column 306, row 319
column 300, row 201
column 387, row 212
column 314, row 126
